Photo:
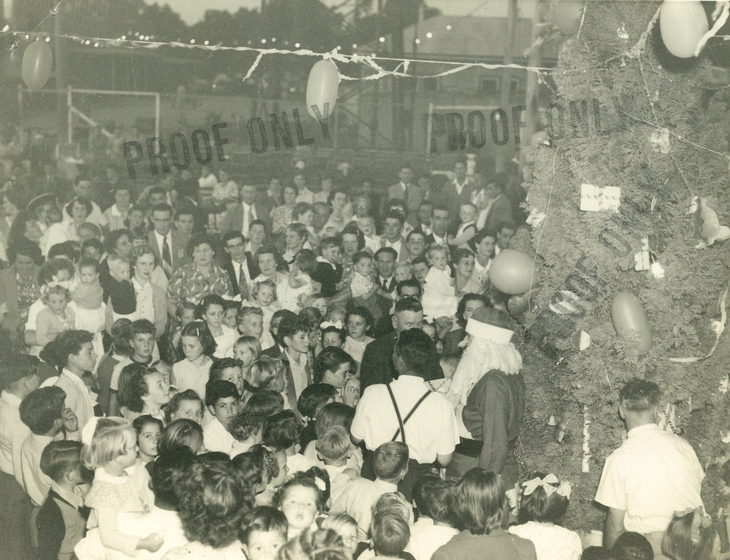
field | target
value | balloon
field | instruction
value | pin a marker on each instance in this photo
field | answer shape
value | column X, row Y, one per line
column 37, row 64
column 512, row 272
column 540, row 138
column 629, row 319
column 324, row 80
column 682, row 24
column 567, row 16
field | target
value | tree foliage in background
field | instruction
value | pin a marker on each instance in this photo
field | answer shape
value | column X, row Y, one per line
column 636, row 94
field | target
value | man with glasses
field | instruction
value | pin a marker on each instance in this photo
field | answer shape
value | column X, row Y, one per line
column 377, row 365
column 239, row 265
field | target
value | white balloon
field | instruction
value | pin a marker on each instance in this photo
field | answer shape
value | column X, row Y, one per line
column 682, row 24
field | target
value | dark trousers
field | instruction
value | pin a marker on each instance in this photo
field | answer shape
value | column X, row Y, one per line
column 415, row 471
column 14, row 520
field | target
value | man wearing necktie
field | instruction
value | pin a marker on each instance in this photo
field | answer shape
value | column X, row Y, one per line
column 237, row 266
column 167, row 243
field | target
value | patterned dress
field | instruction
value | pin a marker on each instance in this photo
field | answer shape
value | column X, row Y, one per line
column 188, row 283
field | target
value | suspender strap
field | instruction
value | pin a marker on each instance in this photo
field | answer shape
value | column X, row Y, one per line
column 397, row 413
column 401, row 423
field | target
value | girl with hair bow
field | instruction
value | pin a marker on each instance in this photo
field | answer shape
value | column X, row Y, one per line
column 543, row 506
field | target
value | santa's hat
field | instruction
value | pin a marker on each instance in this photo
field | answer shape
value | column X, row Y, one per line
column 490, row 324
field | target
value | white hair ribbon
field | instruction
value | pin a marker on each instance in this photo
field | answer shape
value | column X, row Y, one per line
column 336, row 324
column 87, row 433
column 548, row 484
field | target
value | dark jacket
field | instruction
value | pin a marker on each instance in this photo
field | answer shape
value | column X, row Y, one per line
column 52, row 529
column 377, row 364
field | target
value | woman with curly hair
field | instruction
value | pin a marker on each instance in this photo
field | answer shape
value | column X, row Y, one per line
column 214, row 500
column 142, row 390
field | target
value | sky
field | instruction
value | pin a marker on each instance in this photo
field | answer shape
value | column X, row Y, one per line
column 192, row 11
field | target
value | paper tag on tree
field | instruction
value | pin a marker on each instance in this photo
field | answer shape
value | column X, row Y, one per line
column 597, row 199
column 642, row 260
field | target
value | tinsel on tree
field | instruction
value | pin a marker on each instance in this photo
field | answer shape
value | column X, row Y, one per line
column 648, row 141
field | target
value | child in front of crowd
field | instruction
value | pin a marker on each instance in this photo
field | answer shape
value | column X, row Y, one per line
column 426, row 538
column 329, row 268
column 467, row 228
column 247, row 350
column 142, row 343
column 198, row 346
column 403, row 271
column 230, row 312
column 182, row 432
column 334, row 366
column 185, row 404
column 170, row 349
column 420, row 269
column 121, row 349
column 390, row 535
column 61, row 521
column 318, row 301
column 56, row 317
column 269, row 373
column 264, row 297
column 332, row 334
column 247, row 430
column 358, row 322
column 362, row 286
column 544, row 503
column 298, row 284
column 390, row 463
column 265, row 403
column 346, row 527
column 274, row 472
column 211, row 309
column 227, row 369
column 366, row 225
column 335, row 449
column 221, row 398
column 332, row 414
column 120, row 488
column 88, row 304
column 122, row 297
column 264, row 533
column 148, row 430
column 301, row 499
column 310, row 402
column 439, row 294
column 281, row 433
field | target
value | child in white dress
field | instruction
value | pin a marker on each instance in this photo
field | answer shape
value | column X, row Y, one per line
column 211, row 309
column 55, row 318
column 264, row 297
column 439, row 293
column 120, row 488
column 88, row 304
column 294, row 289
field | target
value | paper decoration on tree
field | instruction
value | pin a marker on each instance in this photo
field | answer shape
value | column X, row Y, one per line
column 581, row 340
column 706, row 224
column 585, row 464
column 659, row 140
column 596, row 199
column 535, row 218
column 642, row 258
column 668, row 419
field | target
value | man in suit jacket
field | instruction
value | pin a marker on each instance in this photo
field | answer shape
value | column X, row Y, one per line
column 407, row 191
column 239, row 217
column 440, row 226
column 497, row 207
column 238, row 264
column 163, row 235
column 23, row 256
column 457, row 192
column 377, row 364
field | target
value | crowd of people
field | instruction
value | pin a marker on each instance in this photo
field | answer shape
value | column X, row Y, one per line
column 213, row 369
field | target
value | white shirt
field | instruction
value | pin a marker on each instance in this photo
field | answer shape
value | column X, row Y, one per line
column 552, row 542
column 12, row 435
column 159, row 239
column 653, row 474
column 78, row 397
column 431, row 431
column 166, row 523
column 225, row 342
column 145, row 301
column 217, row 438
column 245, row 225
column 189, row 376
column 358, row 498
column 459, row 187
column 36, row 483
column 298, row 372
column 398, row 246
column 305, row 195
column 426, row 541
column 438, row 240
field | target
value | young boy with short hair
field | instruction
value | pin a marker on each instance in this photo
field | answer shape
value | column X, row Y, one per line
column 248, row 430
column 390, row 534
column 143, row 346
column 329, row 268
column 282, row 433
column 61, row 521
column 44, row 412
column 334, row 448
column 221, row 399
column 390, row 463
column 293, row 334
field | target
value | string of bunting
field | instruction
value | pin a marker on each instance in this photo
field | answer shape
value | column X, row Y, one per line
column 374, row 62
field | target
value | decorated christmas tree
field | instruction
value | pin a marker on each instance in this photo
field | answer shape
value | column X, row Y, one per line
column 628, row 198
